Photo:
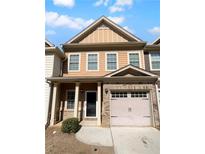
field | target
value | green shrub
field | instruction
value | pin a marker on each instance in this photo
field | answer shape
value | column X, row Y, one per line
column 70, row 125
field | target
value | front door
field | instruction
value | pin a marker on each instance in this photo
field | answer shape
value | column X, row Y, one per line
column 90, row 105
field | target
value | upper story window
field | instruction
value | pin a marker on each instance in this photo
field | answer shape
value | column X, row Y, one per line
column 74, row 62
column 111, row 61
column 134, row 58
column 92, row 61
column 155, row 61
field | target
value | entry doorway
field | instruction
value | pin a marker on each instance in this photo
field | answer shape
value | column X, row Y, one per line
column 90, row 104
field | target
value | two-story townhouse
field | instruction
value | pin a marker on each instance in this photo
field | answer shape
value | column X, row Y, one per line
column 105, row 81
column 53, row 67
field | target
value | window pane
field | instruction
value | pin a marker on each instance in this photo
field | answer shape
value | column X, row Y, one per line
column 74, row 62
column 73, row 66
column 135, row 63
column 111, row 57
column 134, row 59
column 92, row 58
column 70, row 100
column 74, row 58
column 111, row 66
column 155, row 58
column 92, row 62
column 111, row 61
column 155, row 65
column 92, row 66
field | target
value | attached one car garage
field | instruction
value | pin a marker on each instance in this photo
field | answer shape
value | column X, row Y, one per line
column 130, row 108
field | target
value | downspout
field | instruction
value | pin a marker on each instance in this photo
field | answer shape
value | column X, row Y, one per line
column 62, row 61
column 49, row 104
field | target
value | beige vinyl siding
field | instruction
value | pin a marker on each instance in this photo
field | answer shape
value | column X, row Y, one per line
column 52, row 68
column 103, row 35
column 122, row 61
column 49, row 60
column 47, row 90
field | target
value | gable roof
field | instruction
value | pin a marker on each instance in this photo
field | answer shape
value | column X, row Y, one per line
column 48, row 43
column 142, row 71
column 98, row 22
column 156, row 42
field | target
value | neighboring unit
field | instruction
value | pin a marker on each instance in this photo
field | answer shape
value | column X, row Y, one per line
column 152, row 61
column 110, row 78
column 53, row 67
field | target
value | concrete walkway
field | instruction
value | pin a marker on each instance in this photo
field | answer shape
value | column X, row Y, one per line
column 126, row 140
column 95, row 136
column 136, row 140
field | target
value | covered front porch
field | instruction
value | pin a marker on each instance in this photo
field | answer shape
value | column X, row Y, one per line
column 89, row 98
column 77, row 99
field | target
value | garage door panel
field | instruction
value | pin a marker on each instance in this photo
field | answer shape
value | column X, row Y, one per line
column 131, row 121
column 132, row 110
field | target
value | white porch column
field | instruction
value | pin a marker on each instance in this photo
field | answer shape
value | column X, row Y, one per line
column 76, row 99
column 54, row 99
column 99, row 104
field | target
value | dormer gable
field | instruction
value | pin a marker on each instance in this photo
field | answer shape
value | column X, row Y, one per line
column 130, row 71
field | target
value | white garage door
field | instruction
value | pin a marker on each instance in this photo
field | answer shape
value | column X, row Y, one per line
column 130, row 109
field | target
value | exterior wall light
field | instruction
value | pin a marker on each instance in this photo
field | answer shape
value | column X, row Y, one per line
column 106, row 90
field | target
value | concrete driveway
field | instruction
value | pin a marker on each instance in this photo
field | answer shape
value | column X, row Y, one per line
column 136, row 140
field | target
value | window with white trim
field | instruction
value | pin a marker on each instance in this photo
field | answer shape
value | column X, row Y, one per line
column 111, row 61
column 134, row 59
column 155, row 61
column 70, row 99
column 74, row 62
column 92, row 61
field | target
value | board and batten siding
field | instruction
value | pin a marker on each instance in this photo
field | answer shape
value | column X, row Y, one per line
column 122, row 61
column 103, row 35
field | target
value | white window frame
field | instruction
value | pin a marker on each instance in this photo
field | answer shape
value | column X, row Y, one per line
column 87, row 54
column 66, row 102
column 150, row 62
column 128, row 57
column 69, row 62
column 106, row 53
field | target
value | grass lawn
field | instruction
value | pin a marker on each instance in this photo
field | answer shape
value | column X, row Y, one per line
column 60, row 143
